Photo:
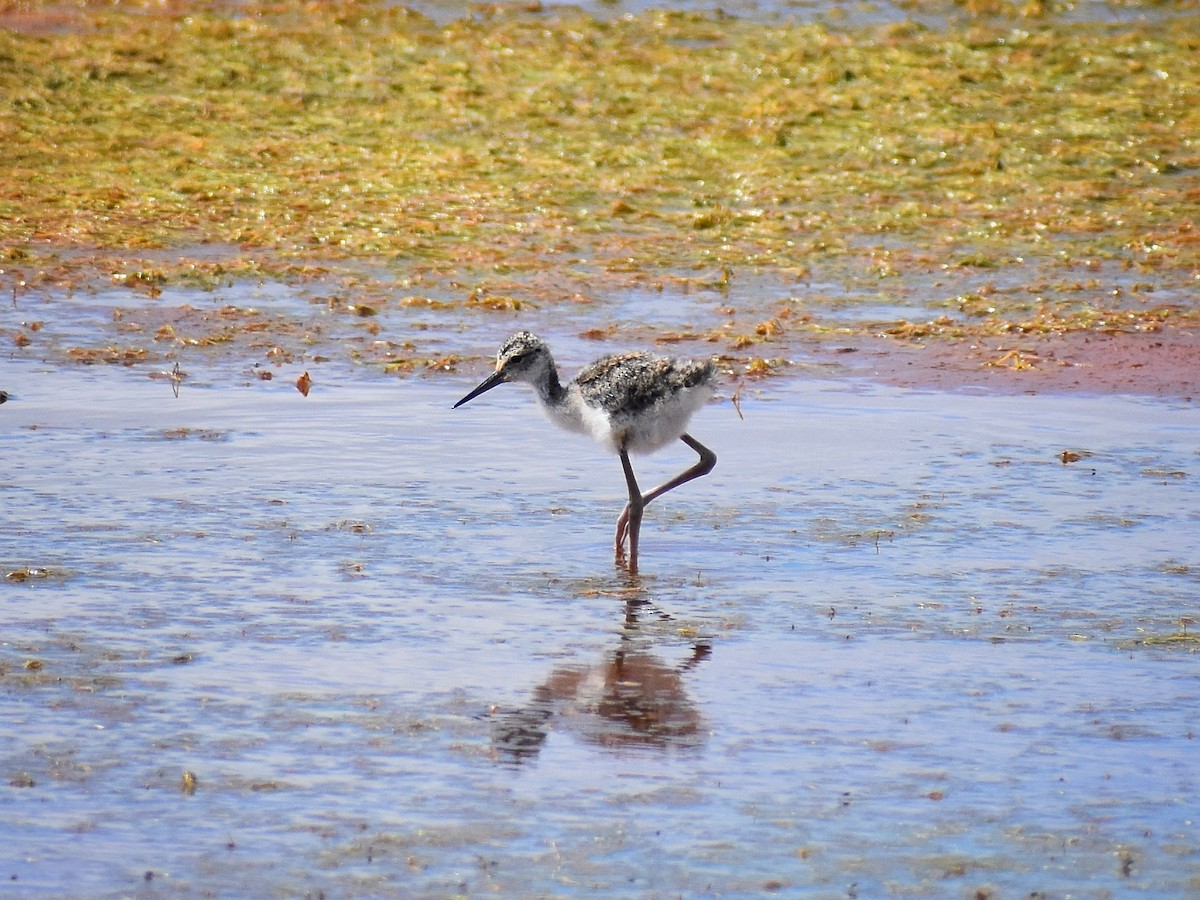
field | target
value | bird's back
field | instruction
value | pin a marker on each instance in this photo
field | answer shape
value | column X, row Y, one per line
column 645, row 399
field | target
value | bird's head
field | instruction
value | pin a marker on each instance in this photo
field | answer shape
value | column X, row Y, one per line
column 523, row 357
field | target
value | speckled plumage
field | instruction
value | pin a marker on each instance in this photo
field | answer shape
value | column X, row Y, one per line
column 630, row 402
column 634, row 401
column 627, row 384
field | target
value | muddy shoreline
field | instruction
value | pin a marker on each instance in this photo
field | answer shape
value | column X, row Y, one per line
column 1164, row 364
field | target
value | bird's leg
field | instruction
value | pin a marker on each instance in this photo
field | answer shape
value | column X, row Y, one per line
column 625, row 523
column 630, row 522
column 708, row 459
column 622, row 530
column 623, row 527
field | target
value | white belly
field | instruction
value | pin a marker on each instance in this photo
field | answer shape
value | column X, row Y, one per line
column 649, row 430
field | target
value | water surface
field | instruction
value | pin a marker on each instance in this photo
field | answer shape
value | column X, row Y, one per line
column 893, row 644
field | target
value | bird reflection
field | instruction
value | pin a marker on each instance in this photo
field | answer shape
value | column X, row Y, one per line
column 631, row 698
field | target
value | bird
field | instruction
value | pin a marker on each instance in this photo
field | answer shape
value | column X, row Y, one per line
column 635, row 402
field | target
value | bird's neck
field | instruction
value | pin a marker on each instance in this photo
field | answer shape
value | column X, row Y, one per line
column 549, row 389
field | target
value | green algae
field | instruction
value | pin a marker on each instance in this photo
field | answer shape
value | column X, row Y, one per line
column 303, row 138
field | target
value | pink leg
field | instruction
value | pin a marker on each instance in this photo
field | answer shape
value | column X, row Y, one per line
column 629, row 523
column 708, row 459
column 622, row 530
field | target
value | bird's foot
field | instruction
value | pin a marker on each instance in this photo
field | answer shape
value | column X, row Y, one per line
column 622, row 533
column 629, row 525
column 624, row 530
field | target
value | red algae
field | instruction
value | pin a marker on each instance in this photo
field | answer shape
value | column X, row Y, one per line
column 1164, row 364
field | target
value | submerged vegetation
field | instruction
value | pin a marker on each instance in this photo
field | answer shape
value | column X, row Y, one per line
column 1017, row 174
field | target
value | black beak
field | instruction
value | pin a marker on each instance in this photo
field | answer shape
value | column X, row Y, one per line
column 496, row 378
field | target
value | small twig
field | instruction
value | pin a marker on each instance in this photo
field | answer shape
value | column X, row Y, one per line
column 737, row 399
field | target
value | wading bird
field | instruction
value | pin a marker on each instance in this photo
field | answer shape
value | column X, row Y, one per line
column 629, row 402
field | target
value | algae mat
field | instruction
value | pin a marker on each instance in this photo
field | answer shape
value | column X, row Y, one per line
column 1005, row 176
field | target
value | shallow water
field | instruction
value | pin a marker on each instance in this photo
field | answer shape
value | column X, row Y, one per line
column 893, row 644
